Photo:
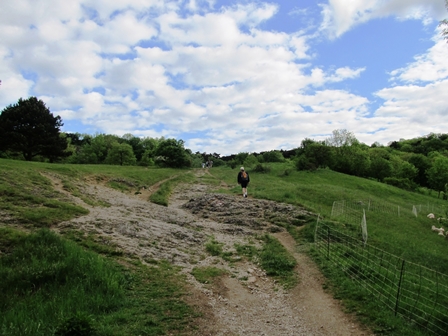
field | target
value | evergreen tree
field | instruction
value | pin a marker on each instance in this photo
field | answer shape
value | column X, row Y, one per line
column 28, row 127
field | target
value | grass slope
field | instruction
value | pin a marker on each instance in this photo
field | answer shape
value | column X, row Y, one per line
column 52, row 286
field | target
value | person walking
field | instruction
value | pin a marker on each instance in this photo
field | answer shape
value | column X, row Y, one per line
column 243, row 179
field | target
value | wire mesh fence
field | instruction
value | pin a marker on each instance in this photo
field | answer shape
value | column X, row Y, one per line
column 426, row 209
column 355, row 208
column 415, row 292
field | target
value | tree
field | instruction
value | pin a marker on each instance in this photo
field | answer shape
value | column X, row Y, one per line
column 97, row 150
column 250, row 161
column 273, row 156
column 341, row 138
column 438, row 173
column 121, row 154
column 314, row 155
column 380, row 168
column 240, row 157
column 422, row 163
column 137, row 145
column 352, row 160
column 171, row 153
column 28, row 127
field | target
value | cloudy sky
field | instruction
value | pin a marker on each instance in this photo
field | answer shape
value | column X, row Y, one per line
column 230, row 76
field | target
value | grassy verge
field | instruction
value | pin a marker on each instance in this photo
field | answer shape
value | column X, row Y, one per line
column 403, row 234
column 278, row 262
column 162, row 195
column 51, row 286
column 28, row 197
column 272, row 257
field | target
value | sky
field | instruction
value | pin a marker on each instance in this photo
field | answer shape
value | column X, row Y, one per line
column 231, row 76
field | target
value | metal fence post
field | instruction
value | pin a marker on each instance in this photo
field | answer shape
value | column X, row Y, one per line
column 399, row 287
column 328, row 242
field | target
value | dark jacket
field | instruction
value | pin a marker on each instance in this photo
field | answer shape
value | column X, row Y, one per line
column 241, row 180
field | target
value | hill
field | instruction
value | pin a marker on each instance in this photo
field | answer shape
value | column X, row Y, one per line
column 207, row 228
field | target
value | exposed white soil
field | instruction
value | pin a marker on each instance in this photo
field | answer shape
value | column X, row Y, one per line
column 243, row 302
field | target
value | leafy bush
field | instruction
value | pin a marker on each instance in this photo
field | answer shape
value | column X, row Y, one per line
column 273, row 156
column 259, row 168
column 305, row 163
column 403, row 183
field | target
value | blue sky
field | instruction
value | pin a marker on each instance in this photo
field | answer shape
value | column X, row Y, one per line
column 231, row 76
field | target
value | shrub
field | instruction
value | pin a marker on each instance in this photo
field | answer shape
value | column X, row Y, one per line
column 259, row 168
column 305, row 163
column 403, row 183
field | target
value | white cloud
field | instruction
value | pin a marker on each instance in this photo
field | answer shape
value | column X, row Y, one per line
column 429, row 67
column 339, row 16
column 416, row 105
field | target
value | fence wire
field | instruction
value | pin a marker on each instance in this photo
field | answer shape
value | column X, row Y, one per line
column 417, row 293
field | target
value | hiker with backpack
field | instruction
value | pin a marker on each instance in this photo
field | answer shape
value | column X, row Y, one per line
column 243, row 179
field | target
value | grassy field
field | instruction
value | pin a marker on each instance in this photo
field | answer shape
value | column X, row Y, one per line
column 28, row 201
column 52, row 286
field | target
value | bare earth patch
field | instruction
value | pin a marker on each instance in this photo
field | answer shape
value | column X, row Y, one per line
column 244, row 301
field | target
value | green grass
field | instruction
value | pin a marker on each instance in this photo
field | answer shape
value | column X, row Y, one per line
column 207, row 274
column 50, row 284
column 28, row 197
column 277, row 262
column 272, row 256
column 162, row 195
column 215, row 248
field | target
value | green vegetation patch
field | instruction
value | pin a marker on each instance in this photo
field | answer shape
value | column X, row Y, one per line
column 215, row 248
column 277, row 261
column 101, row 245
column 29, row 197
column 162, row 195
column 46, row 279
column 272, row 256
column 207, row 274
column 52, row 286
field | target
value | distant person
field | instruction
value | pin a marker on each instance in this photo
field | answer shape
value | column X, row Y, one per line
column 203, row 164
column 243, row 179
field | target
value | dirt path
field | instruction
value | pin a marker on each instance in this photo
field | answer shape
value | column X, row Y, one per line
column 244, row 302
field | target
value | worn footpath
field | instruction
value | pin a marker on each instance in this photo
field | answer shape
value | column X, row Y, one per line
column 244, row 301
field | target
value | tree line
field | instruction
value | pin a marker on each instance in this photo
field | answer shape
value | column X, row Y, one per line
column 407, row 164
column 29, row 131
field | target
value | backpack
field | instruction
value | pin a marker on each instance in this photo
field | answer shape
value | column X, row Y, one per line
column 244, row 176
